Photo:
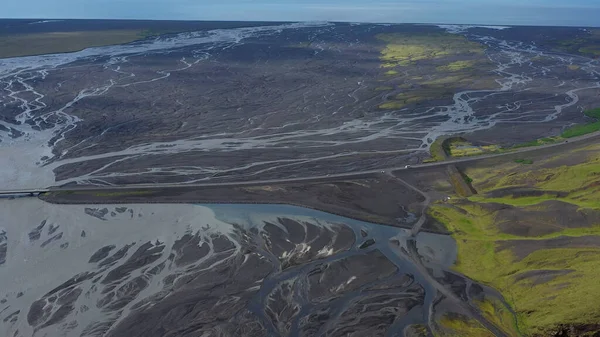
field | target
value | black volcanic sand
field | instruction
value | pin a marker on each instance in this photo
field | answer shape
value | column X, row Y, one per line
column 3, row 246
column 377, row 199
column 289, row 103
column 277, row 271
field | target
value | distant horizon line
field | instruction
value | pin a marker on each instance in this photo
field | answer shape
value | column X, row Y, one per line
column 301, row 21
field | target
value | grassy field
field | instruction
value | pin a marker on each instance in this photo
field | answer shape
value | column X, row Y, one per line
column 443, row 148
column 406, row 49
column 580, row 130
column 457, row 325
column 451, row 63
column 478, row 224
column 524, row 161
column 537, row 142
column 63, row 42
column 439, row 149
column 463, row 148
column 497, row 313
column 457, row 66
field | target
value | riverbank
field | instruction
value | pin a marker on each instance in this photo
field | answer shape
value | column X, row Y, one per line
column 380, row 199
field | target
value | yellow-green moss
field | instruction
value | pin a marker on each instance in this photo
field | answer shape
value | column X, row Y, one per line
column 591, row 50
column 456, row 66
column 478, row 258
column 403, row 49
column 465, row 149
column 437, row 151
column 563, row 299
column 498, row 314
column 461, row 327
column 392, row 105
column 444, row 81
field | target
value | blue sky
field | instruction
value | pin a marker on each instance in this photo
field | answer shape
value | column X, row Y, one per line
column 523, row 12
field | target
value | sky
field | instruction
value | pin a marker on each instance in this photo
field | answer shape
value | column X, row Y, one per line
column 496, row 12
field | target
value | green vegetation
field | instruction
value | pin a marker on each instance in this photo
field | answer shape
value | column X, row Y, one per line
column 593, row 113
column 460, row 326
column 539, row 306
column 575, row 131
column 404, row 99
column 549, row 285
column 384, row 88
column 527, row 144
column 590, row 50
column 463, row 148
column 439, row 150
column 458, row 147
column 419, row 95
column 448, row 80
column 460, row 181
column 408, row 98
column 431, row 50
column 580, row 130
column 524, row 161
column 497, row 313
column 537, row 142
column 456, row 66
column 392, row 105
column 573, row 67
column 404, row 49
column 417, row 330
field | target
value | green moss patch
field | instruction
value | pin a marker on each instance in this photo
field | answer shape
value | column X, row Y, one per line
column 580, row 130
column 403, row 49
column 457, row 66
column 454, row 325
column 547, row 279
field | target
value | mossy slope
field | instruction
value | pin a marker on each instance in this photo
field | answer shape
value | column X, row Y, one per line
column 547, row 284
